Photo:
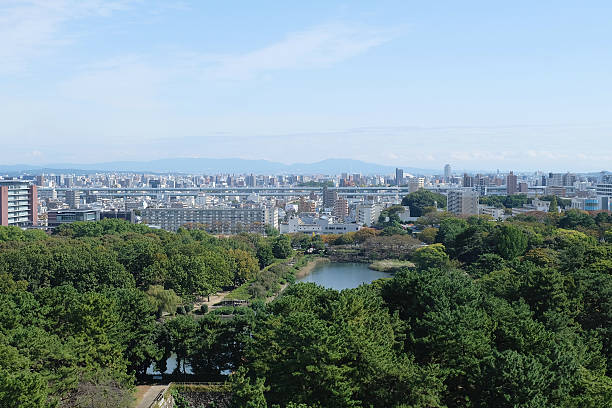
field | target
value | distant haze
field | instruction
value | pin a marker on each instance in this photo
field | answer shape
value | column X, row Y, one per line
column 480, row 85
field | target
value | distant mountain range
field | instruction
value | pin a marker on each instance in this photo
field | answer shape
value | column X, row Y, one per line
column 215, row 166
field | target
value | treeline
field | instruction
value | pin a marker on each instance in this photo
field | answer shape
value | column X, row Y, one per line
column 79, row 310
column 494, row 314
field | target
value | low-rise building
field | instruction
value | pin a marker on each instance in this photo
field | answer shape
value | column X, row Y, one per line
column 67, row 216
column 316, row 225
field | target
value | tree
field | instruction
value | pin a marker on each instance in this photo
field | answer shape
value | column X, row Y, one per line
column 428, row 235
column 163, row 300
column 264, row 254
column 511, row 241
column 431, row 256
column 421, row 199
column 282, row 247
column 246, row 266
column 553, row 208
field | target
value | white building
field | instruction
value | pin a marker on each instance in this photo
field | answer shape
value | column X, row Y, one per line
column 312, row 225
column 367, row 213
column 496, row 213
column 463, row 201
column 604, row 194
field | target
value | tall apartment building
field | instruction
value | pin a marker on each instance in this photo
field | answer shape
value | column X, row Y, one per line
column 18, row 203
column 447, row 173
column 329, row 197
column 216, row 220
column 306, row 206
column 511, row 184
column 416, row 183
column 367, row 213
column 463, row 201
column 341, row 209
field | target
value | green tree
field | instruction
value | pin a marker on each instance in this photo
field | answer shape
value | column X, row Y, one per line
column 264, row 254
column 431, row 256
column 421, row 199
column 281, row 248
column 553, row 208
column 511, row 242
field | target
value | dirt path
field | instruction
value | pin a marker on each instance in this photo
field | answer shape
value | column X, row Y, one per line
column 303, row 271
column 149, row 395
column 216, row 298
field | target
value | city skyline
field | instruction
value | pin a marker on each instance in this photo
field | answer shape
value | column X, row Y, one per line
column 473, row 84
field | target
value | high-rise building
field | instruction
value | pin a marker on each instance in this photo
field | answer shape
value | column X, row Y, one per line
column 468, row 181
column 447, row 173
column 399, row 177
column 341, row 209
column 18, row 203
column 329, row 197
column 367, row 214
column 463, row 201
column 511, row 184
column 73, row 198
column 306, row 206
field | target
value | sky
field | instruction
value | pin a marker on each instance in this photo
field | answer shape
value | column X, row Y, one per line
column 522, row 85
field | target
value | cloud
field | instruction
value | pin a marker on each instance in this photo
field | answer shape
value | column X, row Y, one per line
column 31, row 28
column 317, row 47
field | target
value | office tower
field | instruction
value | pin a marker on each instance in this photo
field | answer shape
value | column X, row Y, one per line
column 250, row 180
column 468, row 181
column 447, row 173
column 73, row 198
column 522, row 187
column 399, row 177
column 463, row 201
column 18, row 203
column 511, row 184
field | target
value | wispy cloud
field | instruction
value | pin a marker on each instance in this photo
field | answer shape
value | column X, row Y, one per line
column 30, row 28
column 317, row 47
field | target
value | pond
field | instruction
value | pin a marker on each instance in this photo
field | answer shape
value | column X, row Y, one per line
column 171, row 364
column 341, row 275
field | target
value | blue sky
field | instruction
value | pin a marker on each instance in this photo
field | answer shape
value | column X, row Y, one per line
column 521, row 85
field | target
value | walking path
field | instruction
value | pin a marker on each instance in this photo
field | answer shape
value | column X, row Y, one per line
column 150, row 395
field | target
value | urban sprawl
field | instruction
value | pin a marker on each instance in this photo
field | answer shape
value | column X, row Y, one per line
column 314, row 204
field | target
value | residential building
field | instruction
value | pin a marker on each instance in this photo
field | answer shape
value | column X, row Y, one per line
column 18, row 203
column 447, row 173
column 367, row 213
column 216, row 220
column 329, row 197
column 511, row 184
column 463, row 201
column 496, row 213
column 306, row 206
column 341, row 208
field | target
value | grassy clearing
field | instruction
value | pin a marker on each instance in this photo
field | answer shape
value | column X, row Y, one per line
column 390, row 265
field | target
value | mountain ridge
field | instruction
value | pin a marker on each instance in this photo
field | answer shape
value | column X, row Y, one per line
column 330, row 166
